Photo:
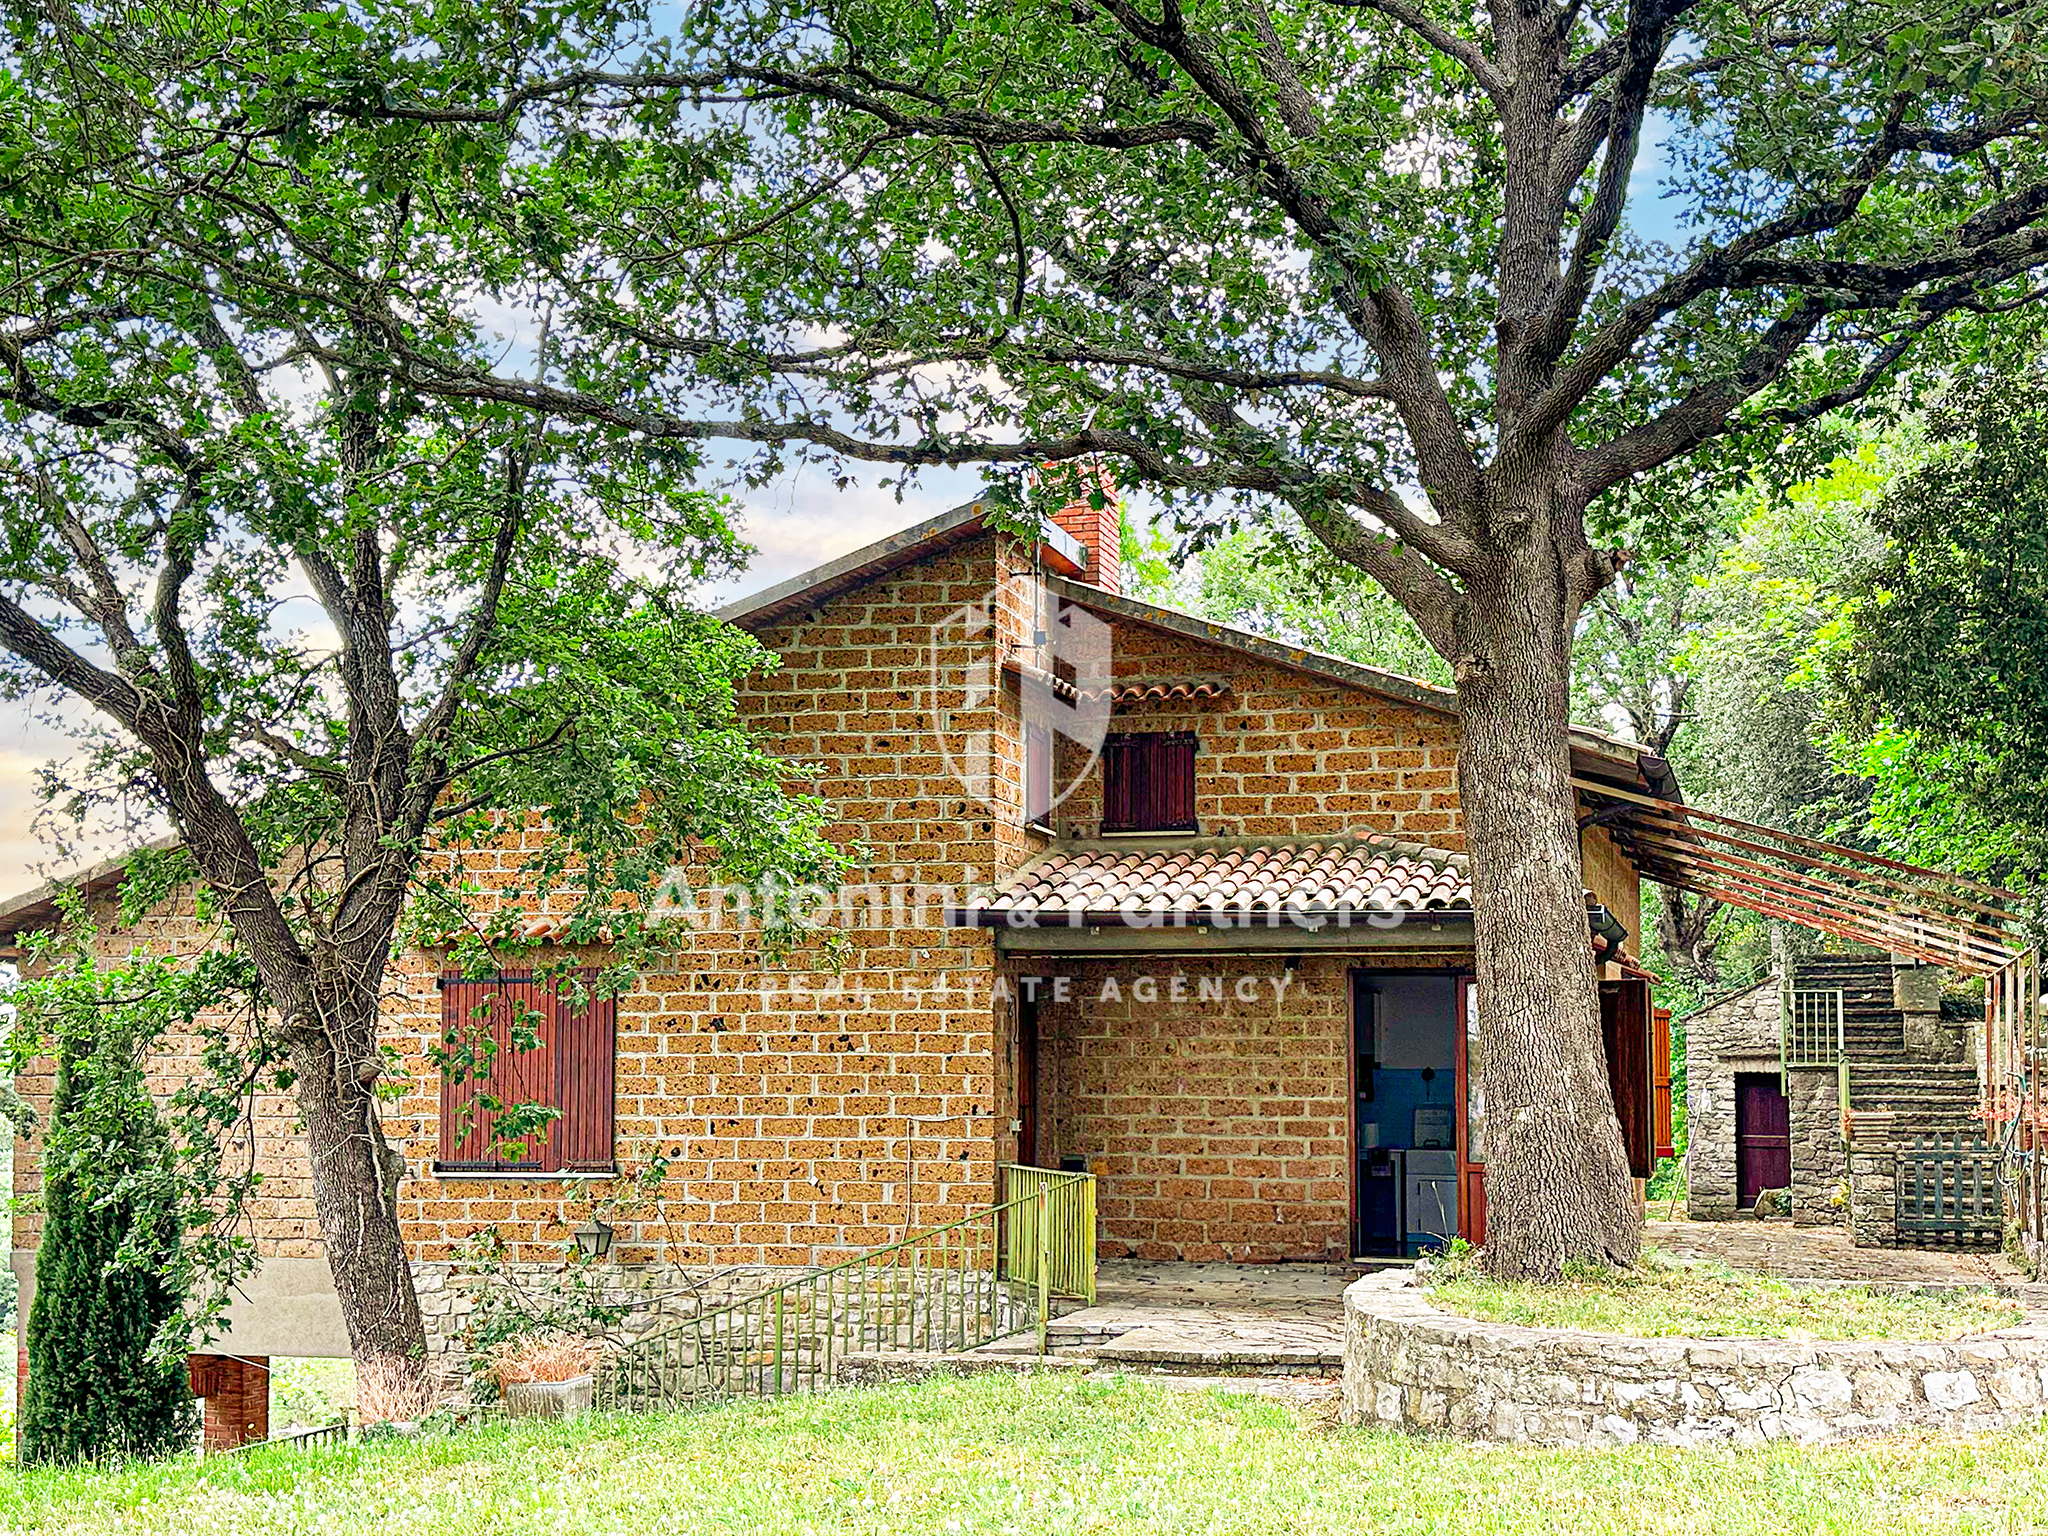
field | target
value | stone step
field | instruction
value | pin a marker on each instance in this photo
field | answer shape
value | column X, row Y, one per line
column 1915, row 1074
column 1867, row 1085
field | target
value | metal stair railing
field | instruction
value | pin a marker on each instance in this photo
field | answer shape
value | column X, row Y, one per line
column 984, row 1277
column 1813, row 1034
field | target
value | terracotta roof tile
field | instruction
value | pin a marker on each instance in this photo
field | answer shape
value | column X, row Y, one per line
column 1311, row 875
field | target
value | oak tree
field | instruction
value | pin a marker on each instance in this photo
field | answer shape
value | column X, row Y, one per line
column 1369, row 260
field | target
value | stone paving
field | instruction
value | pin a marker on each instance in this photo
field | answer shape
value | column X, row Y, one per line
column 1824, row 1253
column 1270, row 1318
column 1283, row 1324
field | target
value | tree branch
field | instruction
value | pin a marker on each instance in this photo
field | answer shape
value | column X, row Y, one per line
column 1461, row 50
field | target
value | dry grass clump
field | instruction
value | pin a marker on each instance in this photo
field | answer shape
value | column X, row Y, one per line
column 549, row 1355
column 391, row 1392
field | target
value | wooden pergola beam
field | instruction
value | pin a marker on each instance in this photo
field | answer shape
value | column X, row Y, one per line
column 1885, row 916
column 1694, row 813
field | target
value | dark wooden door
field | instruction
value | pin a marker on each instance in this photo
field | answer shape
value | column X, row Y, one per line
column 1027, row 1080
column 1763, row 1136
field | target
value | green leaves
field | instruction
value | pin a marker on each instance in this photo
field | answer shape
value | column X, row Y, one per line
column 163, row 1186
column 1940, row 661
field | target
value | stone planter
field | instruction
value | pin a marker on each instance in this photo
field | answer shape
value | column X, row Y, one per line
column 549, row 1399
column 1409, row 1366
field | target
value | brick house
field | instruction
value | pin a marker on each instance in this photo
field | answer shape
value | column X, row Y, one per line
column 1141, row 893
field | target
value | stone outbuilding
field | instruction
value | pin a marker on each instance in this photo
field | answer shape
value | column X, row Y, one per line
column 1769, row 1103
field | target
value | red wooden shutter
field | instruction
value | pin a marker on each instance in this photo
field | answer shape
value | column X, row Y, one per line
column 493, row 1008
column 1148, row 782
column 1119, row 803
column 1037, row 773
column 1660, row 1082
column 465, row 1138
column 1625, row 1026
column 570, row 1069
column 526, row 1076
column 586, row 1044
column 1170, row 783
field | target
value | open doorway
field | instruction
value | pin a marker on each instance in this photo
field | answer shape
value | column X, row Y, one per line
column 1405, row 1109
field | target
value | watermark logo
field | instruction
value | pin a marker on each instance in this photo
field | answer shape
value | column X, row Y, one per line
column 1061, row 656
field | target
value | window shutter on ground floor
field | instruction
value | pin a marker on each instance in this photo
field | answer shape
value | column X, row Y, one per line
column 1625, row 1026
column 1660, row 1082
column 528, row 1043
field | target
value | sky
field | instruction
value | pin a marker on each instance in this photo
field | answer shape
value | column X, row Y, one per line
column 795, row 523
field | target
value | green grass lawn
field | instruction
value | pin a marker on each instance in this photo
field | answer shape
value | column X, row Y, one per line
column 1666, row 1296
column 1051, row 1455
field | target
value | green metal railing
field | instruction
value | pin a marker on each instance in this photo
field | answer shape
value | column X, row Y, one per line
column 1064, row 1233
column 1811, row 1028
column 955, row 1287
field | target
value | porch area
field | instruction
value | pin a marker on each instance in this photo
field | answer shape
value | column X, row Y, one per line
column 1285, row 1322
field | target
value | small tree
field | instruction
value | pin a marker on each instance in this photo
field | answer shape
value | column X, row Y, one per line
column 97, row 1388
column 322, row 626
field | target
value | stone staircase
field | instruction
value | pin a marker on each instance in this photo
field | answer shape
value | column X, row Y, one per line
column 1924, row 1097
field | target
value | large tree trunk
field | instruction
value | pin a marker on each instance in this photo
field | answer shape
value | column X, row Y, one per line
column 1685, row 927
column 1558, row 1185
column 331, row 1030
column 355, row 1189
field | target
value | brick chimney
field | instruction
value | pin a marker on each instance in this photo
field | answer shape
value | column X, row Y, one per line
column 1100, row 530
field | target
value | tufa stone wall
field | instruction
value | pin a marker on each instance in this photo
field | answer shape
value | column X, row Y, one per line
column 1409, row 1366
column 1284, row 754
column 1210, row 1097
column 1613, row 881
column 810, row 1113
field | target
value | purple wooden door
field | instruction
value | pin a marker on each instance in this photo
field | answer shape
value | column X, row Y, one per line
column 1763, row 1136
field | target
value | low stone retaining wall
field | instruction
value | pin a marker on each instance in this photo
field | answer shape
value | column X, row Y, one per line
column 1410, row 1366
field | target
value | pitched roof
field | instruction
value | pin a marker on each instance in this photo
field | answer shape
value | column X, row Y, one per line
column 1114, row 880
column 1593, row 750
column 1065, row 554
column 38, row 908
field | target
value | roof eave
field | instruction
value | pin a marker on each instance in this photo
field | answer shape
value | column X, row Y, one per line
column 1203, row 917
column 1634, row 760
column 821, row 583
column 38, row 908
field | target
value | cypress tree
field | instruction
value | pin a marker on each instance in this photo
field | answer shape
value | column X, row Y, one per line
column 94, row 1392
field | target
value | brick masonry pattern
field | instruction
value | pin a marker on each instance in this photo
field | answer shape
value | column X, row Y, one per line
column 801, row 1106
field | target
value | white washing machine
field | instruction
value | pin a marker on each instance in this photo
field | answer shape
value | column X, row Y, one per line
column 1430, row 1198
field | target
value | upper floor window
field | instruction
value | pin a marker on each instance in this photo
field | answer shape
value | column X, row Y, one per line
column 1037, row 776
column 526, row 1077
column 1148, row 782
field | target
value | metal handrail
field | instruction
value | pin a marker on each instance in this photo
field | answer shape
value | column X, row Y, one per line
column 310, row 1438
column 1812, row 1033
column 985, row 1276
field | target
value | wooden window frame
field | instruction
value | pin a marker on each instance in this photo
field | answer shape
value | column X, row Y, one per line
column 1148, row 782
column 572, row 1068
column 1039, row 750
